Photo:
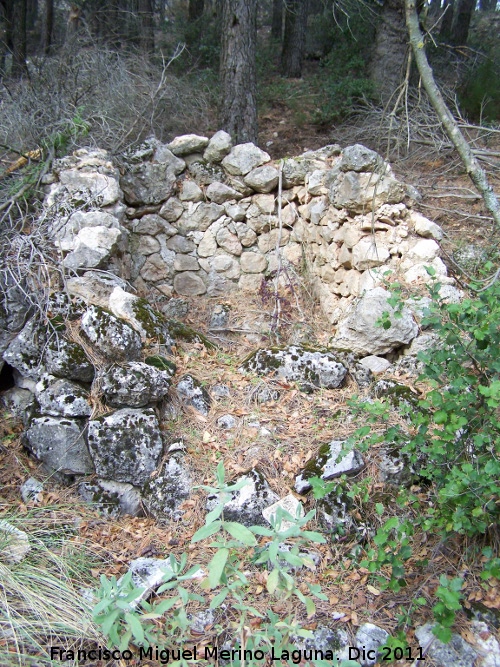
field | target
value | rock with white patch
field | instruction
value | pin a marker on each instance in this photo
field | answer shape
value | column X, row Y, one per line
column 313, row 368
column 125, row 445
column 134, row 385
column 247, row 504
column 111, row 336
column 166, row 491
column 111, row 498
column 60, row 443
column 331, row 462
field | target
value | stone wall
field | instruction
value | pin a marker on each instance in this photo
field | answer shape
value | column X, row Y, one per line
column 200, row 216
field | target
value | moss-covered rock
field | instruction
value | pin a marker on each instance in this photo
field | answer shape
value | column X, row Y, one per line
column 67, row 359
column 111, row 336
column 330, row 463
column 246, row 505
column 192, row 393
column 112, row 499
column 134, row 384
column 125, row 445
column 311, row 367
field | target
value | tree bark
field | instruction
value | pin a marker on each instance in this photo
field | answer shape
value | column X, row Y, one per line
column 474, row 169
column 294, row 38
column 48, row 27
column 19, row 67
column 461, row 23
column 237, row 69
column 195, row 10
column 447, row 20
column 389, row 55
column 277, row 20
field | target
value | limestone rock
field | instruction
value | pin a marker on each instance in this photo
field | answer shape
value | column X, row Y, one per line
column 367, row 254
column 111, row 498
column 371, row 638
column 66, row 230
column 218, row 147
column 289, row 504
column 192, row 393
column 155, row 268
column 359, row 158
column 190, row 191
column 125, row 445
column 94, row 247
column 227, row 422
column 329, row 463
column 246, row 236
column 147, row 574
column 253, row 262
column 262, row 179
column 134, row 385
column 221, row 193
column 26, row 350
column 457, row 653
column 201, row 217
column 102, row 188
column 229, row 241
column 148, row 183
column 171, row 210
column 359, row 332
column 14, row 543
column 31, row 490
column 243, row 158
column 59, row 397
column 189, row 283
column 112, row 337
column 425, row 227
column 137, row 312
column 188, row 143
column 186, row 263
column 164, row 155
column 94, row 288
column 167, row 490
column 313, row 368
column 375, row 364
column 247, row 504
column 60, row 444
column 360, row 192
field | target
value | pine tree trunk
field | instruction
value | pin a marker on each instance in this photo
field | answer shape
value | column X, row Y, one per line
column 48, row 27
column 389, row 54
column 294, row 38
column 237, row 69
column 474, row 169
column 463, row 16
column 19, row 66
column 277, row 20
column 195, row 10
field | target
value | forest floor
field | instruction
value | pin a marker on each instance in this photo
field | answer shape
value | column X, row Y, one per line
column 298, row 424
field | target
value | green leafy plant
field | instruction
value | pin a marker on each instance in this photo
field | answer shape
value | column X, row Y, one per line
column 392, row 549
column 449, row 594
column 125, row 618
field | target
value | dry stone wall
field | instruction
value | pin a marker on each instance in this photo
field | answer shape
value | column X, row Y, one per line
column 200, row 216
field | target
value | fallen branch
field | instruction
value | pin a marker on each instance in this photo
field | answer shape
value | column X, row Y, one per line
column 472, row 166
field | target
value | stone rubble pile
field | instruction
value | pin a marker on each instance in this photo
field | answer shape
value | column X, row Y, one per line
column 94, row 383
column 199, row 216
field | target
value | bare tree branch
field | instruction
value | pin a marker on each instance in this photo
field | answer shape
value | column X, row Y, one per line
column 474, row 170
